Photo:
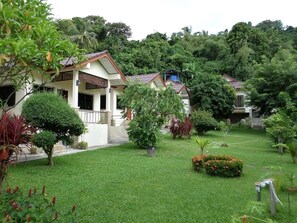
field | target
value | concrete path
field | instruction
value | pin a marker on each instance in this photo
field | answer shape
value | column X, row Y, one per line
column 26, row 156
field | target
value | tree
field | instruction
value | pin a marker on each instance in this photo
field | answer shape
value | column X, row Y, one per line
column 50, row 112
column 212, row 93
column 151, row 109
column 203, row 121
column 29, row 44
column 83, row 37
column 279, row 127
column 274, row 83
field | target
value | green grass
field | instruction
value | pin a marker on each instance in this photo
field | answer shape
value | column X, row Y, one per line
column 123, row 184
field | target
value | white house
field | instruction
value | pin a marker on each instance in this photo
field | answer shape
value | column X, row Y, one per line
column 241, row 110
column 91, row 87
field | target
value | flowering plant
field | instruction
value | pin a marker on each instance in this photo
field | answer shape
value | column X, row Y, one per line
column 219, row 165
column 16, row 206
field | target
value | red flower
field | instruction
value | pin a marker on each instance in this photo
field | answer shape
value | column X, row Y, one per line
column 30, row 193
column 73, row 208
column 54, row 200
column 28, row 218
column 43, row 189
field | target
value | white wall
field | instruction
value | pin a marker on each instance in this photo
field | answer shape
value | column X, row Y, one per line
column 97, row 135
column 97, row 70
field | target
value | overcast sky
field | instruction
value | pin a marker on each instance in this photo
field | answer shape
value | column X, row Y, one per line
column 168, row 16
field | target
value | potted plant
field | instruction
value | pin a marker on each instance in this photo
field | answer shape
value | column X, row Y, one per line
column 13, row 132
column 82, row 145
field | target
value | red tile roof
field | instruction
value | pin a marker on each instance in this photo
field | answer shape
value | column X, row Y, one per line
column 143, row 78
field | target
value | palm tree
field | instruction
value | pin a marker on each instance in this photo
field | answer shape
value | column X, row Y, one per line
column 84, row 38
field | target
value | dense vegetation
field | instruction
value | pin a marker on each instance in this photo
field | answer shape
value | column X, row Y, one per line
column 246, row 52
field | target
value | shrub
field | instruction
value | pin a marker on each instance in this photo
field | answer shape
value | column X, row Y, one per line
column 279, row 128
column 16, row 206
column 14, row 130
column 179, row 128
column 50, row 112
column 198, row 162
column 219, row 165
column 46, row 140
column 82, row 145
column 203, row 121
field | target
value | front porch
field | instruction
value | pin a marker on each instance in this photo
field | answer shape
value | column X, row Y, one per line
column 93, row 89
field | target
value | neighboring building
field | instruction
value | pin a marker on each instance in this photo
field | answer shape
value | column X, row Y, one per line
column 92, row 88
column 241, row 111
column 155, row 80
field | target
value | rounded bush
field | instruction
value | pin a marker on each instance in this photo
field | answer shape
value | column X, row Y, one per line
column 218, row 165
column 45, row 140
column 51, row 112
column 203, row 121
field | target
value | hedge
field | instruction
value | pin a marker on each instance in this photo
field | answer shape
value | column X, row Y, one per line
column 218, row 165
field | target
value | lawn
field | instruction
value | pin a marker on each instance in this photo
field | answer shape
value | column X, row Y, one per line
column 123, row 184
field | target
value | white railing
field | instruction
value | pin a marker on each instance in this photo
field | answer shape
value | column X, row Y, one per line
column 89, row 116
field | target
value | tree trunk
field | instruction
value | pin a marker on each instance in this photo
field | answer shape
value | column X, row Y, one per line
column 280, row 148
column 50, row 157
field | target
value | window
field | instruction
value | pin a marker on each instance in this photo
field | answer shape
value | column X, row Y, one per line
column 239, row 101
column 63, row 93
column 118, row 103
column 102, row 102
column 8, row 92
column 85, row 101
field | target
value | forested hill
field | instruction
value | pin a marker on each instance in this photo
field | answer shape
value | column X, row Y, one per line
column 236, row 52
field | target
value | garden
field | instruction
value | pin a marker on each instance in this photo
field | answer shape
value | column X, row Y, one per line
column 123, row 184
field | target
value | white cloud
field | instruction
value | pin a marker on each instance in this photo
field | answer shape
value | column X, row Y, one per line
column 168, row 16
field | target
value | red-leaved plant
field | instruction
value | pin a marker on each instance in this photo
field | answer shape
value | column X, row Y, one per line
column 179, row 128
column 14, row 131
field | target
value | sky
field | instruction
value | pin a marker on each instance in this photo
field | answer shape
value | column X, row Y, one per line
column 169, row 16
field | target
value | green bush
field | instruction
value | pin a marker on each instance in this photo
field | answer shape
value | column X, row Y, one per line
column 151, row 109
column 279, row 127
column 51, row 112
column 45, row 139
column 203, row 121
column 219, row 165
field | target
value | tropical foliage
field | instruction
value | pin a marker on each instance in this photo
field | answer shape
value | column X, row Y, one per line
column 151, row 109
column 29, row 41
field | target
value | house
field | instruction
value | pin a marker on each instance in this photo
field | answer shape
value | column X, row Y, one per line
column 172, row 77
column 92, row 88
column 241, row 110
column 155, row 80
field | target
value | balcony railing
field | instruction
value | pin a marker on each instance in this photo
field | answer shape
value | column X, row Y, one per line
column 89, row 116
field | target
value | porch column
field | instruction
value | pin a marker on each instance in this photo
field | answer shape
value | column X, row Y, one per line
column 108, row 112
column 107, row 92
column 75, row 83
